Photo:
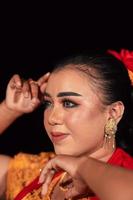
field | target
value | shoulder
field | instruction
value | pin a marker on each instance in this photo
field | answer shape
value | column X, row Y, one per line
column 23, row 168
column 4, row 164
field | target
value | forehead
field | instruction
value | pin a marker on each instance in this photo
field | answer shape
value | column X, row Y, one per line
column 73, row 80
column 68, row 79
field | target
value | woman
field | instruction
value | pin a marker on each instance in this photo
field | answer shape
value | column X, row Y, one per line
column 87, row 112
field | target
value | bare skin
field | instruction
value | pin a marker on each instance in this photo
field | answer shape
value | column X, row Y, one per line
column 75, row 116
column 108, row 182
column 21, row 97
column 75, row 111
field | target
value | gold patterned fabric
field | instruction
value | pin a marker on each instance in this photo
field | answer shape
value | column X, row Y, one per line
column 36, row 194
column 23, row 169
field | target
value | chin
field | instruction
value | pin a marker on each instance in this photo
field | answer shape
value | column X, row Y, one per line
column 59, row 151
column 63, row 151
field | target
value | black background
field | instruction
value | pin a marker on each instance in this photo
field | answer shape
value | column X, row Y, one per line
column 34, row 37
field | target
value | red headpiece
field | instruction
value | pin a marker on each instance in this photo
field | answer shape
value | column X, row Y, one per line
column 126, row 57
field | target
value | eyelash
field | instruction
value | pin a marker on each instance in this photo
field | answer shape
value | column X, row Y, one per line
column 47, row 103
column 70, row 102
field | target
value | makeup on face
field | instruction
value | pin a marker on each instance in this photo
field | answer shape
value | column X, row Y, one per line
column 73, row 118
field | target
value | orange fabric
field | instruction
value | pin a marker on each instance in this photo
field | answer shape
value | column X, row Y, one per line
column 119, row 158
column 23, row 169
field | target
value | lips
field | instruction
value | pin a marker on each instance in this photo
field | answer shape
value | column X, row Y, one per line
column 58, row 136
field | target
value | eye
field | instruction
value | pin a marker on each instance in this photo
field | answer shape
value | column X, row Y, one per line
column 69, row 103
column 47, row 104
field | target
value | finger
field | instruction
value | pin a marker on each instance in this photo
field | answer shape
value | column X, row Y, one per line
column 43, row 79
column 59, row 163
column 43, row 88
column 26, row 89
column 17, row 95
column 50, row 166
column 44, row 172
column 71, row 193
column 34, row 88
column 35, row 103
column 47, row 182
column 15, row 81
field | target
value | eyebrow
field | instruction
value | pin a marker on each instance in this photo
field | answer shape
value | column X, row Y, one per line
column 63, row 94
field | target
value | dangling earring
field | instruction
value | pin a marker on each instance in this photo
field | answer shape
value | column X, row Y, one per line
column 110, row 130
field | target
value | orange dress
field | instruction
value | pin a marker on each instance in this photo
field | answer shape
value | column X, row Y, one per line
column 24, row 168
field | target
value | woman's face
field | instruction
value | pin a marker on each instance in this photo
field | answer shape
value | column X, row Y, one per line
column 74, row 117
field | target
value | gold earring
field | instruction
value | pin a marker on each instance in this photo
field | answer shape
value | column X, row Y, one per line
column 110, row 130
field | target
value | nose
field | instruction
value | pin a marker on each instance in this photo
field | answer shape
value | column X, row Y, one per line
column 55, row 116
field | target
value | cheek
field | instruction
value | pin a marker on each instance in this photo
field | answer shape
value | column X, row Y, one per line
column 76, row 119
column 85, row 122
column 45, row 120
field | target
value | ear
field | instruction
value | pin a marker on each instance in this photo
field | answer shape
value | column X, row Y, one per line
column 116, row 111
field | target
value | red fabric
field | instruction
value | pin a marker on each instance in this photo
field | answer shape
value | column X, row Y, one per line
column 119, row 158
column 32, row 186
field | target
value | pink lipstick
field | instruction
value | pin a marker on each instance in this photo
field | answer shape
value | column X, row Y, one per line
column 58, row 136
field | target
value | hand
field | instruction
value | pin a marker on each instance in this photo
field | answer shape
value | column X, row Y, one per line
column 71, row 165
column 22, row 96
column 42, row 82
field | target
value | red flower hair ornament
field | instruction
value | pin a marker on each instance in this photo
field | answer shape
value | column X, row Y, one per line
column 126, row 57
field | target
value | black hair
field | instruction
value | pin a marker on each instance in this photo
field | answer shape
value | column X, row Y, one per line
column 111, row 76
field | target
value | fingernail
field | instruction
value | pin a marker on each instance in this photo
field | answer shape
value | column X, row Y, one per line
column 47, row 73
column 19, row 83
column 40, row 180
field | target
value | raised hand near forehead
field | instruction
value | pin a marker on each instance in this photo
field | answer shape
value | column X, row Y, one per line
column 22, row 96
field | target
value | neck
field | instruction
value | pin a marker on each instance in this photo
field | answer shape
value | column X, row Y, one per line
column 102, row 154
